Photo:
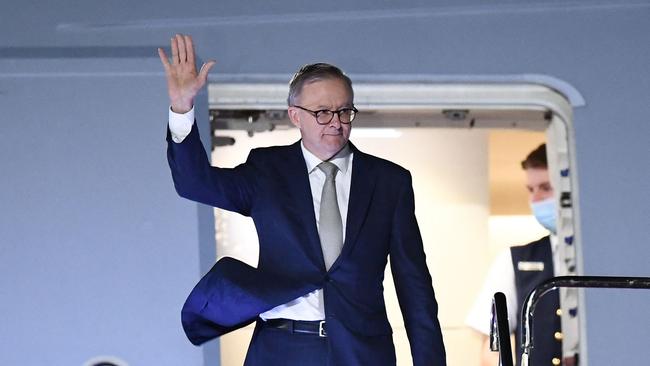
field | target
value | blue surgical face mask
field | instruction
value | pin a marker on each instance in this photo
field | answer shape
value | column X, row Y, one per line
column 545, row 213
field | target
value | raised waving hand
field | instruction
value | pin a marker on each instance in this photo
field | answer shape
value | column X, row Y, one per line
column 183, row 81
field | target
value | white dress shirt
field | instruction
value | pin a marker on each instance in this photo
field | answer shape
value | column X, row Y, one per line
column 310, row 306
column 501, row 278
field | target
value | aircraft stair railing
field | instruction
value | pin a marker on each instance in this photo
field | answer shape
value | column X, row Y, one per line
column 499, row 332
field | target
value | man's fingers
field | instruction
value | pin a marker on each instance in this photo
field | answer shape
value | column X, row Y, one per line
column 174, row 45
column 163, row 59
column 189, row 47
column 182, row 55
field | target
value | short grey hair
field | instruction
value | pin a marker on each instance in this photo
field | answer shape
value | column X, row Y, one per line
column 315, row 72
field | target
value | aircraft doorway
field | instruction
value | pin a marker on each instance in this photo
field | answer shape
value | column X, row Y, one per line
column 462, row 144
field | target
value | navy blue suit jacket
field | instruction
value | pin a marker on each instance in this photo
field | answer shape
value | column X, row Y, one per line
column 272, row 187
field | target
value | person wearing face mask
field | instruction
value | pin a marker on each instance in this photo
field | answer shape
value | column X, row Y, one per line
column 517, row 271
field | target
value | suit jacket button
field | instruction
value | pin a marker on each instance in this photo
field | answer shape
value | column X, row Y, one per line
column 558, row 336
column 556, row 361
column 558, row 312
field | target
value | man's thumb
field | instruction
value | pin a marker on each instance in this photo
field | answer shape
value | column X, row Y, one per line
column 205, row 69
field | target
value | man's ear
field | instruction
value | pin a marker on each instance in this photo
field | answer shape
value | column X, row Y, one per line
column 293, row 116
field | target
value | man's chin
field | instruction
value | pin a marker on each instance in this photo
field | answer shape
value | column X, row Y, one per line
column 335, row 140
column 337, row 145
column 333, row 149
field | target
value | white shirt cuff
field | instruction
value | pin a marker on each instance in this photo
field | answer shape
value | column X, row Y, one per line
column 180, row 125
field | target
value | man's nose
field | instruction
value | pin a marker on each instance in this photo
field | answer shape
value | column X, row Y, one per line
column 336, row 121
column 536, row 196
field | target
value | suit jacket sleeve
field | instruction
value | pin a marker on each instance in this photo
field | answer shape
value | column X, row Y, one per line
column 195, row 179
column 413, row 283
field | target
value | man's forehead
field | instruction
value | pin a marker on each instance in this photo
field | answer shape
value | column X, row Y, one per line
column 537, row 171
column 325, row 92
column 537, row 175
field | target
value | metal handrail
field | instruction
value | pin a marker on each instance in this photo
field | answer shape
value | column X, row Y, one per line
column 569, row 282
column 500, row 330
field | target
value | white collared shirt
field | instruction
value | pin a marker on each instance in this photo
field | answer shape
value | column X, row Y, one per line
column 310, row 306
column 501, row 278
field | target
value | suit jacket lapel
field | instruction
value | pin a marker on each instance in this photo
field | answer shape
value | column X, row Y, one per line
column 361, row 190
column 301, row 197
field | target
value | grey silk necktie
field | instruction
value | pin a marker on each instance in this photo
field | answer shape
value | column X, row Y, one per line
column 330, row 227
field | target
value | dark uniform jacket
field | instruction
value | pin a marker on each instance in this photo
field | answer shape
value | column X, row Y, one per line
column 527, row 261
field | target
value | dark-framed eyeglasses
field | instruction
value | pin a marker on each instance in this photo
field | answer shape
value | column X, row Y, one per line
column 325, row 116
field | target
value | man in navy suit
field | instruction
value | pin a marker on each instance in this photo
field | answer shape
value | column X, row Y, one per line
column 328, row 217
